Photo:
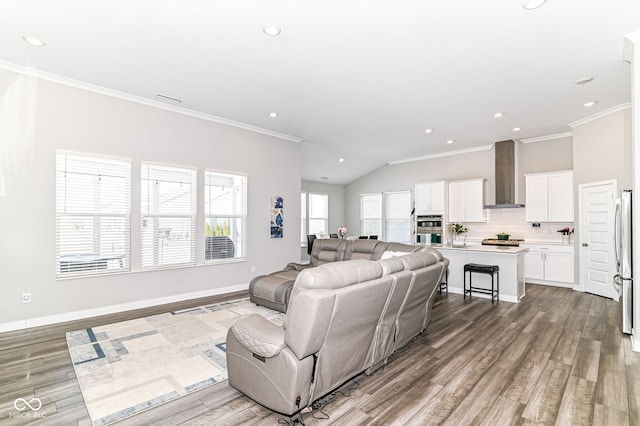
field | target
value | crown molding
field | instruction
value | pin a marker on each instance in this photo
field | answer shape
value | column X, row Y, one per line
column 599, row 115
column 54, row 78
column 442, row 154
column 547, row 137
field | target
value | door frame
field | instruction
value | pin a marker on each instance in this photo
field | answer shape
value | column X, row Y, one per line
column 581, row 253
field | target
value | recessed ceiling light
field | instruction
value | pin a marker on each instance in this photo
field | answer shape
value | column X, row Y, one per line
column 271, row 30
column 340, row 160
column 533, row 4
column 34, row 41
column 589, row 104
column 584, row 81
column 516, row 129
column 450, row 141
column 498, row 115
column 274, row 114
column 428, row 130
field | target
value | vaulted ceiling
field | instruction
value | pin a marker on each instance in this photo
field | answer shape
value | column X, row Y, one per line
column 359, row 80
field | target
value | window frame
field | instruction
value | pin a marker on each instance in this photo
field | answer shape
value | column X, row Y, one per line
column 242, row 216
column 146, row 214
column 388, row 219
column 95, row 263
column 303, row 219
column 324, row 218
column 378, row 219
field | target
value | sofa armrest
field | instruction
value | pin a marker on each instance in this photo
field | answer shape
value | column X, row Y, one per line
column 259, row 335
column 293, row 266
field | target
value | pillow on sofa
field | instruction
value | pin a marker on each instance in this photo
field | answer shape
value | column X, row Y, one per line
column 390, row 254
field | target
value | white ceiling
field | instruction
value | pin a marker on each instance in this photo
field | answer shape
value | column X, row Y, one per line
column 359, row 79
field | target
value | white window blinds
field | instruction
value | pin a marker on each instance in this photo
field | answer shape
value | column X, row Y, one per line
column 92, row 214
column 225, row 211
column 371, row 214
column 303, row 218
column 398, row 217
column 168, row 209
column 318, row 213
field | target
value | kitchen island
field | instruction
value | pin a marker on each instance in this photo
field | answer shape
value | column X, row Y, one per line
column 509, row 259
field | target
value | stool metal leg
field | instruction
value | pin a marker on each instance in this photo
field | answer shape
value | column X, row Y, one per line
column 492, row 288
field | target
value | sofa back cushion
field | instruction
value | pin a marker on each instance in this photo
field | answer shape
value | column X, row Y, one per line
column 364, row 249
column 327, row 250
column 385, row 334
column 334, row 311
column 415, row 312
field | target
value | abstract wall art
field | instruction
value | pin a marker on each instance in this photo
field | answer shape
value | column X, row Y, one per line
column 277, row 213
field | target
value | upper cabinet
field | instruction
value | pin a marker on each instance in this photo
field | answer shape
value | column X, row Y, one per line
column 466, row 201
column 549, row 197
column 430, row 198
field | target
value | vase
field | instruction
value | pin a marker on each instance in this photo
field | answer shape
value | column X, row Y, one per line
column 458, row 240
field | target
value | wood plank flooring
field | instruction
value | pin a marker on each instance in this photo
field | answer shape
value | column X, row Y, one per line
column 556, row 358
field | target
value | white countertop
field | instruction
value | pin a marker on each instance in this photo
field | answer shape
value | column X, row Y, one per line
column 489, row 249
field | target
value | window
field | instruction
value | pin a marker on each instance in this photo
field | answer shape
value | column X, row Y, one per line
column 168, row 209
column 398, row 217
column 303, row 218
column 93, row 213
column 225, row 211
column 371, row 214
column 318, row 213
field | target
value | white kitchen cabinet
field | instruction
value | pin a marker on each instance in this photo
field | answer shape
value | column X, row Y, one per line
column 548, row 264
column 430, row 198
column 549, row 197
column 466, row 201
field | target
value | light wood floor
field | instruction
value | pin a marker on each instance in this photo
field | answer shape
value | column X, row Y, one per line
column 555, row 358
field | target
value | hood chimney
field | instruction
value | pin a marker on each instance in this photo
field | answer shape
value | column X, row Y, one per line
column 505, row 176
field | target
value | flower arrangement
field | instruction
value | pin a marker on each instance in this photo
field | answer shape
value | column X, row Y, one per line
column 342, row 232
column 565, row 231
column 458, row 228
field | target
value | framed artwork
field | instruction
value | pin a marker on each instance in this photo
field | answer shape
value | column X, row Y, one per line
column 277, row 213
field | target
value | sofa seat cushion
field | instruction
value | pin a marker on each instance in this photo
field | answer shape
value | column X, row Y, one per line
column 259, row 335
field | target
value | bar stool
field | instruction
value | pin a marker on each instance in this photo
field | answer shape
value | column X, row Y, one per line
column 444, row 284
column 493, row 270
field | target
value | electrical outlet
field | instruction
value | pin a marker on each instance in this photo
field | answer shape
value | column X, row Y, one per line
column 26, row 297
column 253, row 269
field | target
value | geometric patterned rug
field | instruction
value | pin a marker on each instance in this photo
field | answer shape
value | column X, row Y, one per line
column 132, row 366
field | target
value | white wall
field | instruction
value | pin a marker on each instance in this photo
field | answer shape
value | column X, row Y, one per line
column 469, row 165
column 337, row 211
column 37, row 117
column 602, row 148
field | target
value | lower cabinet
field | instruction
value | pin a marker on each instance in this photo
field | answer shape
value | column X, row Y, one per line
column 549, row 264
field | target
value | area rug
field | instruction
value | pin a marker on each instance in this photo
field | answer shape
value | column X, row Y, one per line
column 132, row 366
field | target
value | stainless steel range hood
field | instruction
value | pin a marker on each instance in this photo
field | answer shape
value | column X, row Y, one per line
column 505, row 170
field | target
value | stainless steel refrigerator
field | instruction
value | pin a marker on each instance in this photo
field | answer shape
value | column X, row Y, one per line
column 623, row 280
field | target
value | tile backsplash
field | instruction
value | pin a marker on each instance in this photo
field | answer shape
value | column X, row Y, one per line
column 512, row 222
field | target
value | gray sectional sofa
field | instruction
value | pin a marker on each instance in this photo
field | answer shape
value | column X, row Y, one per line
column 343, row 318
column 273, row 290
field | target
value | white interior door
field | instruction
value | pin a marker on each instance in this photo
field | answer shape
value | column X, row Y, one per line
column 597, row 264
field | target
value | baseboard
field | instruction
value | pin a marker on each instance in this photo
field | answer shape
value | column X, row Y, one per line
column 635, row 343
column 552, row 284
column 105, row 310
column 503, row 298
